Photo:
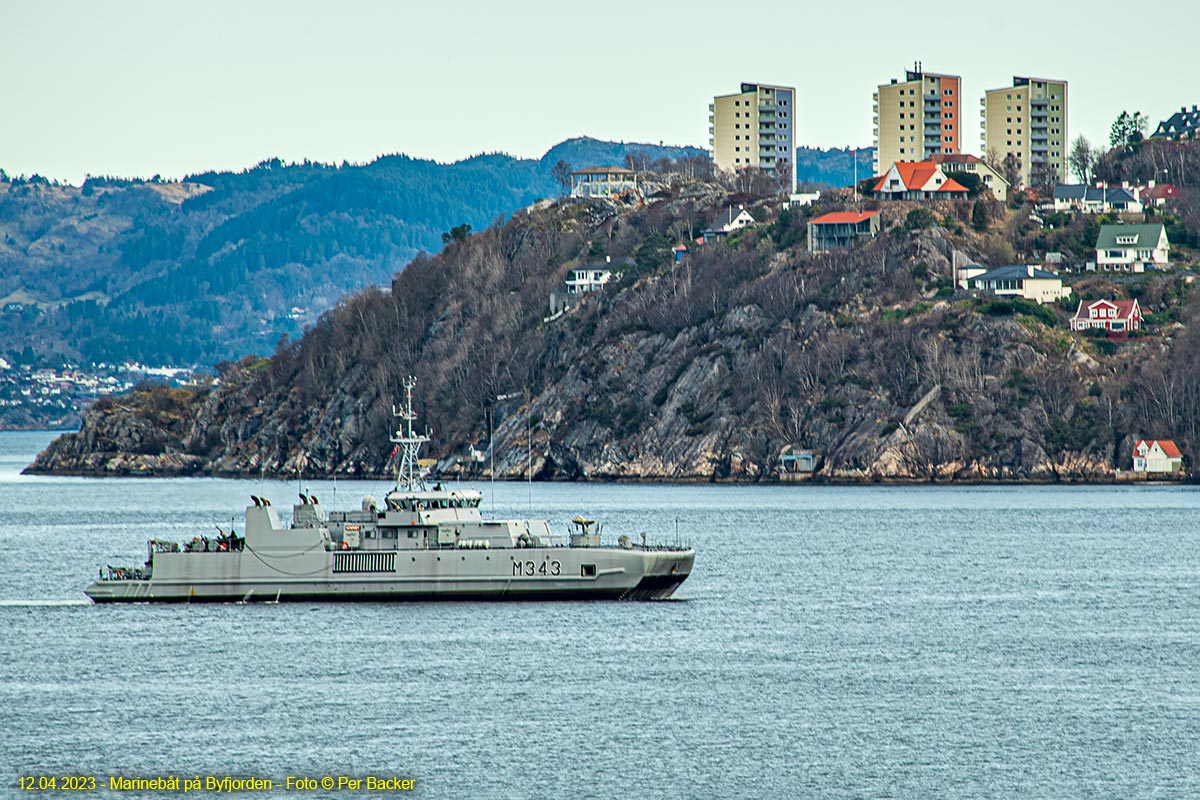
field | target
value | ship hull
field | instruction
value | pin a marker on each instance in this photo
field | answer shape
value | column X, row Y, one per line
column 520, row 574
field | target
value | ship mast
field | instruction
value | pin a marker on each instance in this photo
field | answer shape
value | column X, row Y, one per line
column 408, row 471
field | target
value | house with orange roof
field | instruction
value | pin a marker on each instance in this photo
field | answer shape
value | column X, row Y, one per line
column 1158, row 456
column 1109, row 315
column 917, row 180
column 840, row 229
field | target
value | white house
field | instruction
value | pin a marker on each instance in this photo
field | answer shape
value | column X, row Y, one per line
column 917, row 180
column 588, row 279
column 1157, row 455
column 609, row 182
column 1097, row 199
column 727, row 222
column 965, row 162
column 1132, row 248
column 1021, row 280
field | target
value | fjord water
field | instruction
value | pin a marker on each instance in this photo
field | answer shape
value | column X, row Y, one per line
column 900, row 642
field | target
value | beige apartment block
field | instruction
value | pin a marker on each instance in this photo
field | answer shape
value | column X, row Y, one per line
column 754, row 128
column 917, row 118
column 1028, row 120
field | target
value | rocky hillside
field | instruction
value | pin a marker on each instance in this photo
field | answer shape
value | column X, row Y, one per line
column 701, row 370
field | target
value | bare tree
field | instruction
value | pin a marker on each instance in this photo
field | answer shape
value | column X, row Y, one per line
column 783, row 176
column 1011, row 169
column 561, row 172
column 1042, row 177
column 1082, row 159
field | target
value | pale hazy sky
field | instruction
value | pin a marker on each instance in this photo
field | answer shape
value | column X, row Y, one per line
column 139, row 87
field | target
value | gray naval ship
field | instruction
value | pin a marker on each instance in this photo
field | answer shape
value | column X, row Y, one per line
column 422, row 544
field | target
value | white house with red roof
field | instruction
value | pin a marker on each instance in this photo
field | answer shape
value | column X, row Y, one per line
column 1157, row 194
column 1108, row 315
column 840, row 229
column 1157, row 455
column 917, row 180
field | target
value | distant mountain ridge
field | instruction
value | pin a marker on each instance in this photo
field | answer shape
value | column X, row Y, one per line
column 222, row 264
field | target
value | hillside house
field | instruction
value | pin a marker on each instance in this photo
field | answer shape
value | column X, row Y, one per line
column 917, row 180
column 1132, row 248
column 1096, row 199
column 727, row 222
column 840, row 228
column 1183, row 125
column 1157, row 194
column 1022, row 280
column 965, row 162
column 1119, row 316
column 1159, row 456
column 606, row 182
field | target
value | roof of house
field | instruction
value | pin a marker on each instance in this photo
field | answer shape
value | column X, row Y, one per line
column 1168, row 447
column 1097, row 194
column 915, row 174
column 1147, row 236
column 729, row 215
column 1124, row 308
column 953, row 162
column 1161, row 191
column 600, row 170
column 843, row 217
column 1179, row 124
column 1015, row 271
column 954, row 158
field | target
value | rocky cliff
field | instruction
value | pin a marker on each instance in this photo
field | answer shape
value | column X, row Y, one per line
column 701, row 370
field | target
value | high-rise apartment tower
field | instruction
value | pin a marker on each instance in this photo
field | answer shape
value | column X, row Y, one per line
column 754, row 128
column 1028, row 120
column 917, row 119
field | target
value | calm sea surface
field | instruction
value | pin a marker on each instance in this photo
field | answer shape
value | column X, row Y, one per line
column 870, row 642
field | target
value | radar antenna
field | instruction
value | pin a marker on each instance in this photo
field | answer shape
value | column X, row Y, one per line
column 408, row 471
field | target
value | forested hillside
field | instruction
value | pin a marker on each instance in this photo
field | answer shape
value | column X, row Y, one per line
column 221, row 264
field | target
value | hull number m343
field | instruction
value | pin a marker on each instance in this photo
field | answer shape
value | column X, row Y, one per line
column 532, row 569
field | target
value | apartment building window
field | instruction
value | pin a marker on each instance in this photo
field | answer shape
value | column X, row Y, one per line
column 947, row 92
